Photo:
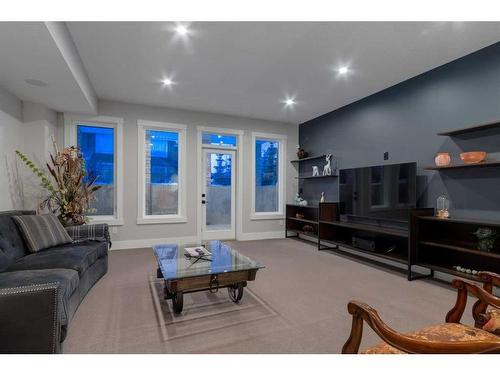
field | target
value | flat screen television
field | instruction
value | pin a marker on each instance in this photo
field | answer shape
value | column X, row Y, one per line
column 384, row 192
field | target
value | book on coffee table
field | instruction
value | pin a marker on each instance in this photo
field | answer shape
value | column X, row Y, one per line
column 198, row 251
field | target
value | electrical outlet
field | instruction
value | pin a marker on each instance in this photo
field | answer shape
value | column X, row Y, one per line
column 114, row 230
column 386, row 155
column 282, row 222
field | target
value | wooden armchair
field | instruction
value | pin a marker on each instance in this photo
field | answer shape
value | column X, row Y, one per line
column 449, row 337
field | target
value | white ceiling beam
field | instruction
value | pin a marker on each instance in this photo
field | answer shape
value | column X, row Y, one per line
column 62, row 38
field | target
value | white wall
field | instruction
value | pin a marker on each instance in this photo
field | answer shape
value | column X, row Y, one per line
column 130, row 233
column 26, row 127
column 40, row 125
column 11, row 138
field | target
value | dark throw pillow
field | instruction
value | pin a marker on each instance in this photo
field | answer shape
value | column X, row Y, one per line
column 41, row 231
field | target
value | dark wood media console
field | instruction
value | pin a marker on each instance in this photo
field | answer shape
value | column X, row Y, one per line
column 430, row 242
column 442, row 244
column 329, row 233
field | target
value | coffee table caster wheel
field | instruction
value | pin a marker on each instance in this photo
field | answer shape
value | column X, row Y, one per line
column 177, row 302
column 235, row 292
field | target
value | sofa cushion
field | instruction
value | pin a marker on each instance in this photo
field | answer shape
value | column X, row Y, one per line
column 42, row 231
column 450, row 332
column 78, row 257
column 68, row 281
column 12, row 245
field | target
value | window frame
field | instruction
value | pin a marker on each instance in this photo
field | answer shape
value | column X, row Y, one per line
column 70, row 139
column 281, row 139
column 180, row 129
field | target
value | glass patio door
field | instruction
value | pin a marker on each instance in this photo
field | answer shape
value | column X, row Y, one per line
column 218, row 194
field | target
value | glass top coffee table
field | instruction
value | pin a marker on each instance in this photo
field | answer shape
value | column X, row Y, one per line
column 186, row 271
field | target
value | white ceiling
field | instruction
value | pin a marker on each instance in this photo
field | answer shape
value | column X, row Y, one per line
column 44, row 52
column 237, row 68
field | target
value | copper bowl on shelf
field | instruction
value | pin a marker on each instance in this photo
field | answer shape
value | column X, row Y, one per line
column 473, row 157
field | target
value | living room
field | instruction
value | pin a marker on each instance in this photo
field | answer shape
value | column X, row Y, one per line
column 228, row 187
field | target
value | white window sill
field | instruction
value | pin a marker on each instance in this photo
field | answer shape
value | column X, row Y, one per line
column 266, row 216
column 162, row 220
column 112, row 222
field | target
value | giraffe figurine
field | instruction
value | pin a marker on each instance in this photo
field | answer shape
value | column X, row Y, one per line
column 327, row 169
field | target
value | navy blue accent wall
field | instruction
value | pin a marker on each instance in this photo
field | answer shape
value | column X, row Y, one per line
column 404, row 119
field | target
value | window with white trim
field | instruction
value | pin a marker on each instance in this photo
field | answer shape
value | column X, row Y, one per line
column 100, row 140
column 161, row 172
column 97, row 145
column 268, row 175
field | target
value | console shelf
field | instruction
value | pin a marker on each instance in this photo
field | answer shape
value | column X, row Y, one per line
column 303, row 220
column 442, row 244
column 395, row 258
column 460, row 249
column 450, row 271
column 436, row 244
column 329, row 233
column 369, row 228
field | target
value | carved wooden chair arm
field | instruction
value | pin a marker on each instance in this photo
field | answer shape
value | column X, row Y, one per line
column 489, row 278
column 484, row 296
column 361, row 312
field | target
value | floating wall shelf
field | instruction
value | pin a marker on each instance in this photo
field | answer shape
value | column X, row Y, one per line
column 471, row 129
column 487, row 163
column 314, row 177
column 308, row 158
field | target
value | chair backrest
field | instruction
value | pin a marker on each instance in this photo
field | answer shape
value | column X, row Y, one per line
column 12, row 245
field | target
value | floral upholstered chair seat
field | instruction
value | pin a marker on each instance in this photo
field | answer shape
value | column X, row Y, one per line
column 450, row 337
column 449, row 332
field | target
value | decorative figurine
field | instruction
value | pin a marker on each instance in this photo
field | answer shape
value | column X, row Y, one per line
column 442, row 206
column 315, row 171
column 322, row 199
column 301, row 154
column 327, row 169
column 299, row 200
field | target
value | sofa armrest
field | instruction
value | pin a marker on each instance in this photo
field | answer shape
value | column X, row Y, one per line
column 29, row 319
column 95, row 232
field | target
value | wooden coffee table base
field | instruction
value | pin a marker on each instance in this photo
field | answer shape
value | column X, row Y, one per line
column 234, row 281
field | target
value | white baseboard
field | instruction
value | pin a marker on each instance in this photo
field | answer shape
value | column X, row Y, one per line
column 261, row 235
column 149, row 242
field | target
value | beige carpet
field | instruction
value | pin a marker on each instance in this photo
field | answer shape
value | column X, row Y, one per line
column 296, row 305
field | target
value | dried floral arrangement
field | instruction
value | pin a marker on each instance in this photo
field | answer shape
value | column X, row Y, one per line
column 69, row 196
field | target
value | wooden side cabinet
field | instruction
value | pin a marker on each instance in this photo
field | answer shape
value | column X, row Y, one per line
column 442, row 245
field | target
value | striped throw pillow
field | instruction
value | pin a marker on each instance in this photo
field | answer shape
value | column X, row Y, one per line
column 41, row 231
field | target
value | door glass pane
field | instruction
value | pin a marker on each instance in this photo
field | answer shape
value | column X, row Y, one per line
column 226, row 140
column 162, row 172
column 218, row 191
column 97, row 145
column 266, row 175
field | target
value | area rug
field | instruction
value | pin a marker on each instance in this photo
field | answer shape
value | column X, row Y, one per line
column 206, row 311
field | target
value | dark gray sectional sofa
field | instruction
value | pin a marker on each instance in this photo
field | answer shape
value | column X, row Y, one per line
column 40, row 292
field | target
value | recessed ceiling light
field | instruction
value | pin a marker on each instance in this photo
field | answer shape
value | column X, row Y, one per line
column 289, row 102
column 35, row 82
column 181, row 29
column 167, row 82
column 343, row 70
